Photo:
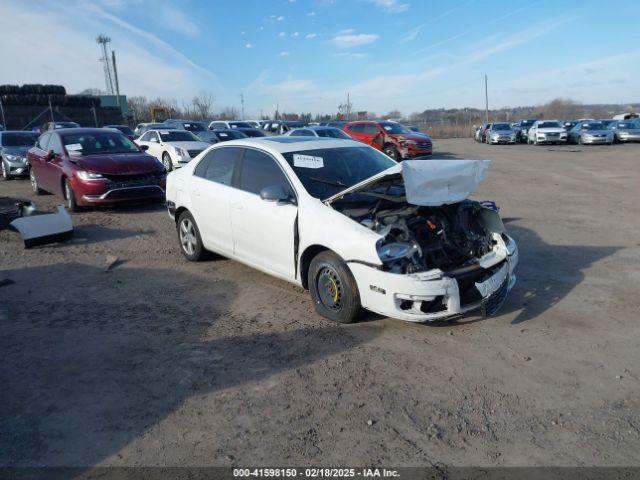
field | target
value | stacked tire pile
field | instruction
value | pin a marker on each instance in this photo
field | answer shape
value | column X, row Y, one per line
column 22, row 104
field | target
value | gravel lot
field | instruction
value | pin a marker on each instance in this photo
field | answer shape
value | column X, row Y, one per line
column 162, row 362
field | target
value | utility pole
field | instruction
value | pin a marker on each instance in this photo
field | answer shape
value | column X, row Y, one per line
column 4, row 122
column 115, row 75
column 348, row 108
column 486, row 100
column 50, row 108
column 103, row 40
column 242, row 106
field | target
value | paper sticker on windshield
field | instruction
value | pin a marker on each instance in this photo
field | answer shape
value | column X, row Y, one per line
column 74, row 147
column 307, row 161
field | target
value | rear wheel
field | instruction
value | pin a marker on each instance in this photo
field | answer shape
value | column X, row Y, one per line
column 333, row 289
column 166, row 161
column 391, row 151
column 34, row 183
column 70, row 197
column 190, row 239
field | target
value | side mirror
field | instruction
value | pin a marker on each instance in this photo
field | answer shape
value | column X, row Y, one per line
column 144, row 148
column 275, row 193
column 51, row 155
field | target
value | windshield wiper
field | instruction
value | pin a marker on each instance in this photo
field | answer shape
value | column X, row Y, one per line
column 328, row 182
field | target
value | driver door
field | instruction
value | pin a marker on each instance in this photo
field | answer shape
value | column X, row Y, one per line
column 263, row 231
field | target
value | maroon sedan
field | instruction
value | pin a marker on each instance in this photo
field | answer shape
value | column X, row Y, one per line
column 94, row 166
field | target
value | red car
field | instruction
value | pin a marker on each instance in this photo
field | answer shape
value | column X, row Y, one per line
column 94, row 166
column 394, row 139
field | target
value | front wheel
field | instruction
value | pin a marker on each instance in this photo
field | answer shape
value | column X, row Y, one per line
column 391, row 151
column 333, row 289
column 190, row 239
column 70, row 197
column 166, row 161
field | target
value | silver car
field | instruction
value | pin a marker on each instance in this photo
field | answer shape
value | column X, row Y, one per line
column 590, row 133
column 626, row 131
column 13, row 153
column 501, row 133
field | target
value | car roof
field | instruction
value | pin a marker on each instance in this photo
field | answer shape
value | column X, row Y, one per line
column 64, row 131
column 293, row 144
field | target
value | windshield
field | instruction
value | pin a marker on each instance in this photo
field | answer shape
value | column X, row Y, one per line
column 626, row 125
column 331, row 132
column 527, row 123
column 326, row 171
column 123, row 128
column 592, row 126
column 501, row 126
column 230, row 135
column 395, row 128
column 549, row 125
column 193, row 127
column 19, row 139
column 95, row 143
column 207, row 136
column 177, row 136
column 239, row 125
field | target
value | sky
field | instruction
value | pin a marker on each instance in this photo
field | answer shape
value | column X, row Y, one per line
column 306, row 55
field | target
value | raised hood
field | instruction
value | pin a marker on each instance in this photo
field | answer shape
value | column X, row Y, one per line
column 428, row 183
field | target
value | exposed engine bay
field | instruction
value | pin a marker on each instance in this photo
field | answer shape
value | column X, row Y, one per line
column 420, row 238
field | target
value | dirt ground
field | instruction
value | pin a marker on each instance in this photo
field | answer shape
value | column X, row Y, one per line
column 163, row 362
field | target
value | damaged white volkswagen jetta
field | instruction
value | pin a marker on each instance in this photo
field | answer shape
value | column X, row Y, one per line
column 349, row 224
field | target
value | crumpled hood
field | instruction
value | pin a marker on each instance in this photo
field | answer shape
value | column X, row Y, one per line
column 416, row 137
column 429, row 183
column 119, row 164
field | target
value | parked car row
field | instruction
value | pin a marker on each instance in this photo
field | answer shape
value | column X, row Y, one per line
column 583, row 132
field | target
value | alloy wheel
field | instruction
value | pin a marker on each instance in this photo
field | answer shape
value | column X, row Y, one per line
column 188, row 238
column 34, row 182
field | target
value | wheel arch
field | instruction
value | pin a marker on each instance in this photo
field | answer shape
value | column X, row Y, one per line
column 305, row 261
column 180, row 211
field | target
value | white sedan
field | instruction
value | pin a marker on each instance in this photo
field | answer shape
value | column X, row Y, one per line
column 174, row 148
column 547, row 131
column 349, row 224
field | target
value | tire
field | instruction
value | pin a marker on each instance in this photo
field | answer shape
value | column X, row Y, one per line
column 391, row 151
column 166, row 161
column 70, row 197
column 5, row 171
column 333, row 289
column 190, row 239
column 34, row 183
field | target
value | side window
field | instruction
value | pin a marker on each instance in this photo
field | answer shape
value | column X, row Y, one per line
column 201, row 167
column 357, row 128
column 55, row 144
column 302, row 132
column 153, row 137
column 259, row 170
column 145, row 137
column 222, row 164
column 370, row 129
column 43, row 141
column 217, row 125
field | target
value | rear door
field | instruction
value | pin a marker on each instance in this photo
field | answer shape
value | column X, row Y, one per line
column 373, row 135
column 50, row 179
column 211, row 192
column 263, row 232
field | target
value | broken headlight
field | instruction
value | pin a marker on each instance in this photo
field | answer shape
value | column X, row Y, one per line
column 389, row 252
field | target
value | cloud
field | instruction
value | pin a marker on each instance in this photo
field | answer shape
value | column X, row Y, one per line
column 279, row 19
column 350, row 40
column 391, row 6
column 295, row 34
column 284, row 54
column 311, row 14
column 178, row 21
column 71, row 60
column 411, row 34
column 356, row 56
column 346, row 31
column 281, row 34
column 311, row 35
column 248, row 45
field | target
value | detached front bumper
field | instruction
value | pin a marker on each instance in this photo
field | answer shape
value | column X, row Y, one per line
column 435, row 295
